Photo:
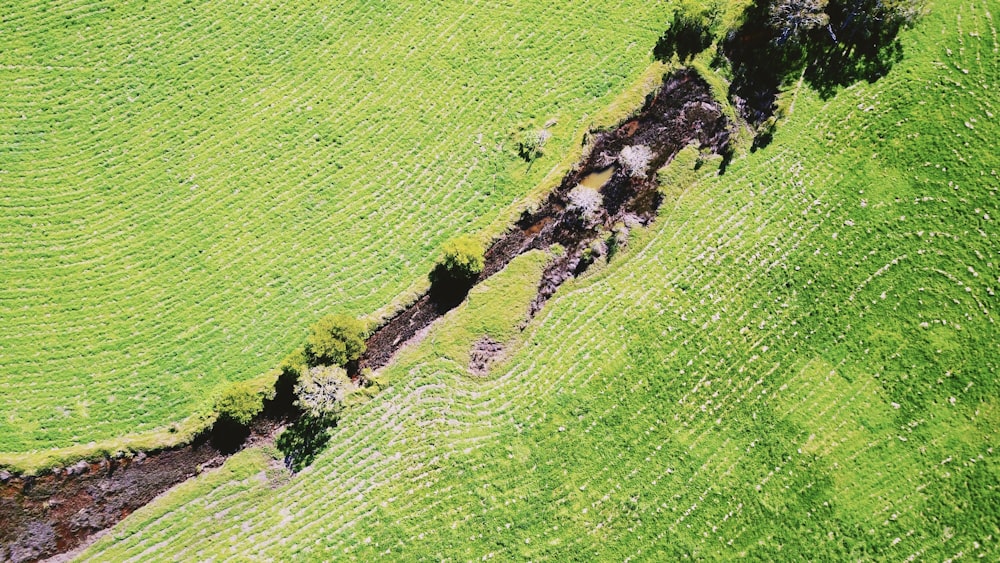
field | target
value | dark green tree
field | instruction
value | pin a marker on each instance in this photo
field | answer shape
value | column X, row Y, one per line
column 794, row 18
column 335, row 340
column 239, row 403
column 828, row 43
column 462, row 260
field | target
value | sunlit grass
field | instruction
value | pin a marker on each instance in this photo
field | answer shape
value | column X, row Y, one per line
column 798, row 361
column 185, row 189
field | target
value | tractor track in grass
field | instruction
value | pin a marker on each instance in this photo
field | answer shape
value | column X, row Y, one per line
column 58, row 510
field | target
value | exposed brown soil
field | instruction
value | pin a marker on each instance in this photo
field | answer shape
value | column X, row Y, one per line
column 52, row 513
column 45, row 515
column 484, row 352
column 682, row 111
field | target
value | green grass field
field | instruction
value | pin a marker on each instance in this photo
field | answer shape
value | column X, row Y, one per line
column 185, row 188
column 798, row 360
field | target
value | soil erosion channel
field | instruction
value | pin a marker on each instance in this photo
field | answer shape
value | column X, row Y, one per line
column 614, row 188
column 680, row 112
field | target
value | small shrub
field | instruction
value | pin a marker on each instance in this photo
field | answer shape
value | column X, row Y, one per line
column 587, row 203
column 765, row 133
column 530, row 144
column 635, row 160
column 335, row 340
column 618, row 239
column 239, row 403
column 462, row 261
column 705, row 155
column 594, row 252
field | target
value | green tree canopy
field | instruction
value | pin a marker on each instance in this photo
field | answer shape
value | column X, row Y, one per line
column 462, row 258
column 335, row 340
column 239, row 403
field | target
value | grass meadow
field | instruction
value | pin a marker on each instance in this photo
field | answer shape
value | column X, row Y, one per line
column 185, row 188
column 797, row 360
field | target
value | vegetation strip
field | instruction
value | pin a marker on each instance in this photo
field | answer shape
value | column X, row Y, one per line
column 44, row 509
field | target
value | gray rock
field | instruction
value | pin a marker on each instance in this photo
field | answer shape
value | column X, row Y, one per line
column 38, row 540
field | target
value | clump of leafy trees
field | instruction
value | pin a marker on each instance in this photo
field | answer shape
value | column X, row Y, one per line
column 319, row 383
column 319, row 396
column 335, row 340
column 827, row 43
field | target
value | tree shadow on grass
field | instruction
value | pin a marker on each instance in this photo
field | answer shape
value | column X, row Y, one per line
column 303, row 440
column 835, row 66
column 858, row 42
column 687, row 36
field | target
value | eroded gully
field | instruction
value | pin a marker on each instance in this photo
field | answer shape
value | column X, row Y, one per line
column 54, row 512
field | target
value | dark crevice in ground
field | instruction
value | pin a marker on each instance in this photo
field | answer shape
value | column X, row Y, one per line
column 54, row 512
column 51, row 513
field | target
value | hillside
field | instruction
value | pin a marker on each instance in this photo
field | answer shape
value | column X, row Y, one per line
column 798, row 358
column 186, row 189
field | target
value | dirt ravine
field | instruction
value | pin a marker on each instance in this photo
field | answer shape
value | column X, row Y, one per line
column 52, row 513
column 681, row 112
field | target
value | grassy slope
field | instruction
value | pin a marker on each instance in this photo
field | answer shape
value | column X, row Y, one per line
column 185, row 189
column 494, row 309
column 800, row 358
